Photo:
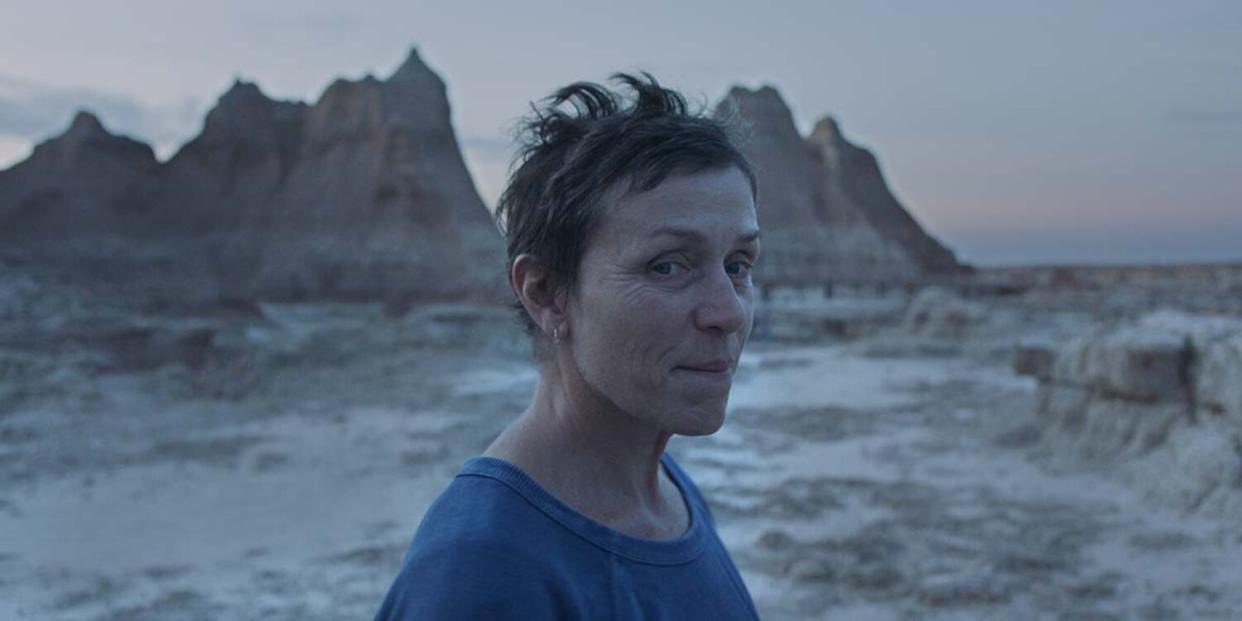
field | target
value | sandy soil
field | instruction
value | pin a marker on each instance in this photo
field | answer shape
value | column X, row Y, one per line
column 282, row 477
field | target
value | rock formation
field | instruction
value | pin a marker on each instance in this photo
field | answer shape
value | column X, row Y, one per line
column 1160, row 394
column 75, row 189
column 379, row 197
column 362, row 195
column 938, row 313
column 826, row 212
column 232, row 173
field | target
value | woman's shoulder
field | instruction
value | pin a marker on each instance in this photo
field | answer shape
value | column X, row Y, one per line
column 482, row 504
column 482, row 551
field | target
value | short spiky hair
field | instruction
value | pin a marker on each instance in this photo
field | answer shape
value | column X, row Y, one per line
column 568, row 158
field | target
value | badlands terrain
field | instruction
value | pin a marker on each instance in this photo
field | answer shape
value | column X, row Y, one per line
column 1065, row 447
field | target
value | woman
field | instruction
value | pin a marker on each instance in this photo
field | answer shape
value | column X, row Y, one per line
column 632, row 231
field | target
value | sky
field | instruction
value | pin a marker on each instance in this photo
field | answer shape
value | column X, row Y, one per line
column 1014, row 132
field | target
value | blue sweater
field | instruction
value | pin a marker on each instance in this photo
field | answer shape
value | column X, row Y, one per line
column 495, row 545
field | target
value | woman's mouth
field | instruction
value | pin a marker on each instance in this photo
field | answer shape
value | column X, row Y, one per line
column 718, row 372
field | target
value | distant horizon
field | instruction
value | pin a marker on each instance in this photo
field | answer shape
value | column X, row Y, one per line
column 1018, row 135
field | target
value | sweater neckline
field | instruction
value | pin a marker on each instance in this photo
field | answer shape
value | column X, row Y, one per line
column 682, row 549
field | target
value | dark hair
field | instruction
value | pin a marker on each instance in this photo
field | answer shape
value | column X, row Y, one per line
column 568, row 159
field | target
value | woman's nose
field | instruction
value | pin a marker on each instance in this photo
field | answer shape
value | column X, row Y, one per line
column 723, row 306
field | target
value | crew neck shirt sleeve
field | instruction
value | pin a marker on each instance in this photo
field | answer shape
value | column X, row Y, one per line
column 477, row 555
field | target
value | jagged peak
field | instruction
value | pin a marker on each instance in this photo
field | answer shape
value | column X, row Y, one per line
column 244, row 105
column 86, row 127
column 85, row 123
column 412, row 65
column 766, row 100
column 827, row 131
column 244, row 93
column 765, row 93
column 347, row 88
column 413, row 69
column 241, row 91
column 86, row 131
column 762, row 107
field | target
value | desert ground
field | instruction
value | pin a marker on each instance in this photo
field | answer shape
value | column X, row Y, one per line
column 272, row 461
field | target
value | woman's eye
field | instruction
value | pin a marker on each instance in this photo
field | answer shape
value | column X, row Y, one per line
column 665, row 268
column 739, row 268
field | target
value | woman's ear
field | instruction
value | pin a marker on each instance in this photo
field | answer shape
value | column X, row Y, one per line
column 538, row 293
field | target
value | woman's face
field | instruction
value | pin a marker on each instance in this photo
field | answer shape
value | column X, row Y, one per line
column 664, row 301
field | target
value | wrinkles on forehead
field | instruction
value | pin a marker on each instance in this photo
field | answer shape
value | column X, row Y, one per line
column 631, row 221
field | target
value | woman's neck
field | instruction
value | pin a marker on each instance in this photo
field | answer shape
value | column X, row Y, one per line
column 595, row 458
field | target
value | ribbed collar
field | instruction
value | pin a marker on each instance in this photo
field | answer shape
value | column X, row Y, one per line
column 683, row 549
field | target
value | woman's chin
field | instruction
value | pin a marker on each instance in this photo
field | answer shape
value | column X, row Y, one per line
column 700, row 422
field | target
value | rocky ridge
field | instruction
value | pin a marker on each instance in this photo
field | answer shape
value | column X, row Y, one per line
column 827, row 212
column 363, row 194
column 84, row 181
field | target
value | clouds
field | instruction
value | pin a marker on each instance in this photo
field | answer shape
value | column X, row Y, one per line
column 33, row 111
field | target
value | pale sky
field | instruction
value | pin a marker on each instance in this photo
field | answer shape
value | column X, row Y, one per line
column 1014, row 132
